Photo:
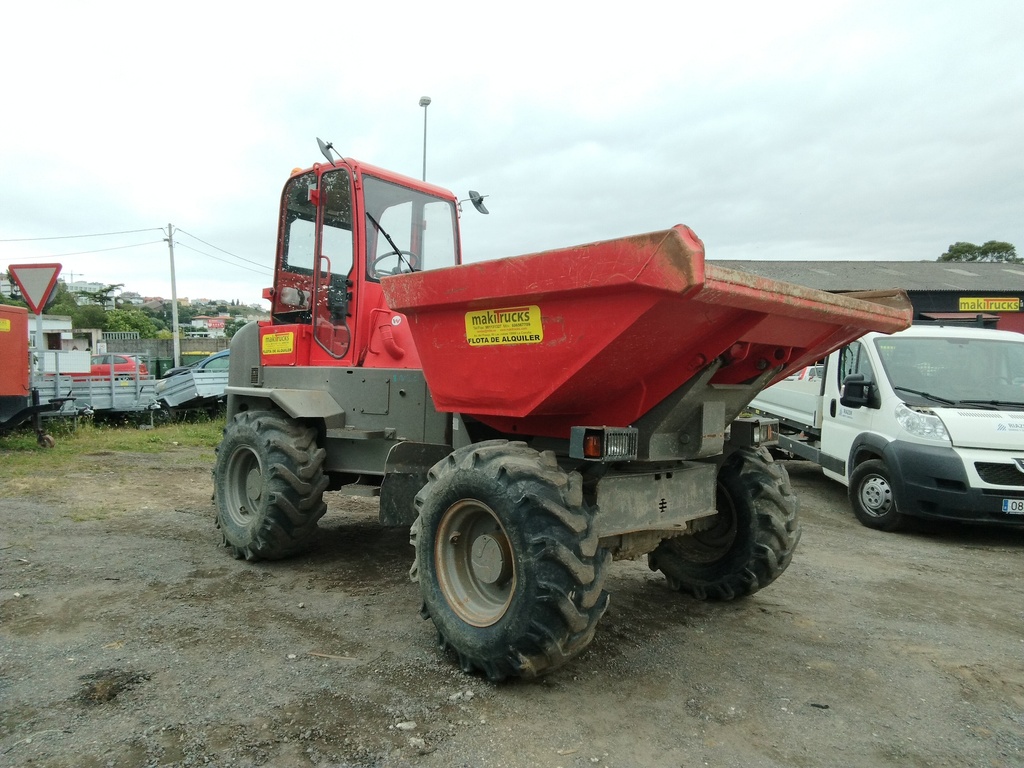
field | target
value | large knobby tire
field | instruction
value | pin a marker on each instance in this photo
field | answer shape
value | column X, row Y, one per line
column 751, row 541
column 269, row 484
column 872, row 498
column 507, row 559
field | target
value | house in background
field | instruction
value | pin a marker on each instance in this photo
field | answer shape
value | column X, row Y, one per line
column 208, row 327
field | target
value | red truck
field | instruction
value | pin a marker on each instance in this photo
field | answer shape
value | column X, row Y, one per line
column 531, row 419
column 19, row 400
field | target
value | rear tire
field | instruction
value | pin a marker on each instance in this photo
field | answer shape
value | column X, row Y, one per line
column 507, row 560
column 872, row 498
column 269, row 484
column 752, row 540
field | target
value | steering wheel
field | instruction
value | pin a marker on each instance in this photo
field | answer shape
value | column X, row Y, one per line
column 402, row 266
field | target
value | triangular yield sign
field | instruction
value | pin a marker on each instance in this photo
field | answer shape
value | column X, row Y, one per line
column 35, row 281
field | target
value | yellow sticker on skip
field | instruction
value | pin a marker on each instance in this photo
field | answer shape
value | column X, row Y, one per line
column 5, row 325
column 278, row 343
column 509, row 325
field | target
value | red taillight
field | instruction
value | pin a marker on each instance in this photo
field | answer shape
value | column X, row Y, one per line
column 603, row 443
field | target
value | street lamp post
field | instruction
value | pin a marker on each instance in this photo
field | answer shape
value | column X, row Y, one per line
column 424, row 102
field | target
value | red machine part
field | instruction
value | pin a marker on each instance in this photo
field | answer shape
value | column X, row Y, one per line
column 601, row 333
column 14, row 360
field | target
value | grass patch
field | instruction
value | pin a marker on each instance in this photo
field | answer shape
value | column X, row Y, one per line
column 21, row 456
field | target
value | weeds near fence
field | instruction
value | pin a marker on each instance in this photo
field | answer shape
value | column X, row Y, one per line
column 20, row 453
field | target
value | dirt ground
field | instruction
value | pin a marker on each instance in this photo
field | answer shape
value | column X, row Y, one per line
column 129, row 637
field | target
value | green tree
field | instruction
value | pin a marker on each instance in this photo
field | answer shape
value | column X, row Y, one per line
column 89, row 316
column 156, row 317
column 185, row 314
column 232, row 326
column 993, row 250
column 131, row 319
column 104, row 297
column 62, row 301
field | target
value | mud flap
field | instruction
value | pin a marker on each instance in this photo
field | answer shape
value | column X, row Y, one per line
column 405, row 474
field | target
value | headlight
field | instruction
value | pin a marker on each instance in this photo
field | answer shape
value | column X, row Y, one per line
column 921, row 424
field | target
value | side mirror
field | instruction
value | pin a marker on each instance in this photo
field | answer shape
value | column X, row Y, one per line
column 478, row 201
column 857, row 391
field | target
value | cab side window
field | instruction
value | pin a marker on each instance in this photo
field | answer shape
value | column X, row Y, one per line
column 299, row 226
column 337, row 231
column 854, row 359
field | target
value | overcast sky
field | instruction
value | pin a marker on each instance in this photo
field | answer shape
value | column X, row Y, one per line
column 784, row 130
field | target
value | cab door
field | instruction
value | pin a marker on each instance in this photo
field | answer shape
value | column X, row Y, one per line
column 333, row 301
column 841, row 425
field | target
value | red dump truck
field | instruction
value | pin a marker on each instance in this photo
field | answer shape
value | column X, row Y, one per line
column 19, row 400
column 531, row 419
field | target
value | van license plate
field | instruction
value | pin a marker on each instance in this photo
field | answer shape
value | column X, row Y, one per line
column 1013, row 506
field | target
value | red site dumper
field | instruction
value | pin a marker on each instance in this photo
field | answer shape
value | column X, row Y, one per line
column 19, row 400
column 531, row 419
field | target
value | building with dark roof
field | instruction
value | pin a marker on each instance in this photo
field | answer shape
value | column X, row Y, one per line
column 985, row 293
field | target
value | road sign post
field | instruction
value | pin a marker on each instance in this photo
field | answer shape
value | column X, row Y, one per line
column 36, row 283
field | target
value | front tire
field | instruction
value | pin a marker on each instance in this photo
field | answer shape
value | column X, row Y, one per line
column 507, row 560
column 751, row 541
column 872, row 498
column 269, row 484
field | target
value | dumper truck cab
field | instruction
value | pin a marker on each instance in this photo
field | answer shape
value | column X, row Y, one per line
column 530, row 419
column 343, row 227
column 924, row 423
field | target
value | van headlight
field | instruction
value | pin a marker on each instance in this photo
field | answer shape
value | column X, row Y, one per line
column 923, row 424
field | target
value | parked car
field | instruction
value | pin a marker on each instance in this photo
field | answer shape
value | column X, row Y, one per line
column 215, row 362
column 124, row 367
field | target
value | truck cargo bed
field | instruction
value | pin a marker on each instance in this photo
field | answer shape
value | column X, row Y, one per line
column 192, row 388
column 601, row 333
column 101, row 393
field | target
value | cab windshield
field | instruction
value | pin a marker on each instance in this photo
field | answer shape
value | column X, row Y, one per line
column 961, row 371
column 407, row 230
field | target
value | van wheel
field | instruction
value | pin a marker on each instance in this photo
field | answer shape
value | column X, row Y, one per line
column 872, row 497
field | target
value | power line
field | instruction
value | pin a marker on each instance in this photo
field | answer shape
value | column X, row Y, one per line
column 70, row 237
column 262, row 269
column 179, row 230
column 82, row 253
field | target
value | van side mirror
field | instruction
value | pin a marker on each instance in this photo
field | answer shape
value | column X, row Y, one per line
column 857, row 391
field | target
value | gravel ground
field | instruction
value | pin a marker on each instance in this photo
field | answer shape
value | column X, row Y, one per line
column 129, row 637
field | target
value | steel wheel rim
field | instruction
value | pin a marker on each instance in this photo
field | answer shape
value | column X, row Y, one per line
column 474, row 563
column 876, row 496
column 246, row 486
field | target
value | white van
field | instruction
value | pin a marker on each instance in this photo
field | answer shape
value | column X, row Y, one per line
column 927, row 422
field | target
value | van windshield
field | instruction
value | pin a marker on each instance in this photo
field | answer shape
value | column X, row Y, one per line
column 965, row 371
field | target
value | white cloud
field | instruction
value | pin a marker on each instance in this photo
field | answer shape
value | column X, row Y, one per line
column 783, row 130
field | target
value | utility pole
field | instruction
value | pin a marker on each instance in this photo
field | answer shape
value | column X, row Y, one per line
column 174, row 298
